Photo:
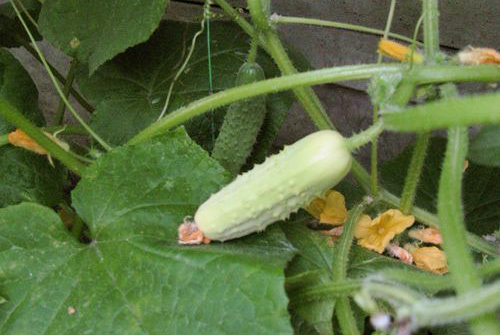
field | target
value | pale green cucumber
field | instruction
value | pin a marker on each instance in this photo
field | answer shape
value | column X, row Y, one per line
column 281, row 185
column 242, row 123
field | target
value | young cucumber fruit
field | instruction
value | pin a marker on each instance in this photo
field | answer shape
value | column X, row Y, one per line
column 242, row 123
column 279, row 186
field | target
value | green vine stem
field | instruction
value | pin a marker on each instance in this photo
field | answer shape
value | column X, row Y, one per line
column 455, row 309
column 329, row 75
column 56, row 84
column 343, row 308
column 275, row 18
column 414, row 172
column 442, row 114
column 68, row 83
column 78, row 97
column 423, row 281
column 328, row 291
column 305, row 95
column 374, row 148
column 12, row 115
column 431, row 48
column 366, row 136
column 431, row 30
column 450, row 212
column 272, row 85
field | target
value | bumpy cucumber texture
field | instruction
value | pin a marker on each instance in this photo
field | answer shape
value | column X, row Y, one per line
column 242, row 123
column 281, row 185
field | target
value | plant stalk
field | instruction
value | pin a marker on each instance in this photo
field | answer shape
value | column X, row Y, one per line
column 275, row 18
column 343, row 308
column 68, row 83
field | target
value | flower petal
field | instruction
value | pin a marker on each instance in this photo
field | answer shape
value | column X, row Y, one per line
column 377, row 234
column 431, row 259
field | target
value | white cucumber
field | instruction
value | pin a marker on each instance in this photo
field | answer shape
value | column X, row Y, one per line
column 281, row 185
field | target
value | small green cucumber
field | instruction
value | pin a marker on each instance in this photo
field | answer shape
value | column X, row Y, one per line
column 242, row 123
column 279, row 186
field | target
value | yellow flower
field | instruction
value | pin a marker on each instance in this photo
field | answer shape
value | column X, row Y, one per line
column 330, row 209
column 376, row 234
column 477, row 56
column 398, row 51
column 431, row 259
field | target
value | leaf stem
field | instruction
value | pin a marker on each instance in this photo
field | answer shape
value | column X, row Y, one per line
column 366, row 136
column 68, row 83
column 305, row 95
column 275, row 18
column 12, row 115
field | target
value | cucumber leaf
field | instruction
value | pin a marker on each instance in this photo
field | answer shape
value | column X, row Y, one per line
column 134, row 278
column 17, row 87
column 95, row 31
column 12, row 33
column 26, row 176
column 314, row 252
column 484, row 149
column 130, row 91
column 481, row 187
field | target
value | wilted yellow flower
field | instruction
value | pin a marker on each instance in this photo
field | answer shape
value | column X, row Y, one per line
column 398, row 51
column 19, row 138
column 376, row 234
column 428, row 235
column 431, row 259
column 330, row 209
column 477, row 56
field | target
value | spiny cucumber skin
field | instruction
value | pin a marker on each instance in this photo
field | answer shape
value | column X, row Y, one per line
column 242, row 123
column 273, row 190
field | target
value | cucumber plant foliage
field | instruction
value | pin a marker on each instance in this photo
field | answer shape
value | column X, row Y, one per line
column 123, row 270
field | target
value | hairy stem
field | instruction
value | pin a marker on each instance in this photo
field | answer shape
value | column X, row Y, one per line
column 450, row 212
column 414, row 172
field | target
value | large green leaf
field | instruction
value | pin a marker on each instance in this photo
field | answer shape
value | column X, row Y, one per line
column 95, row 31
column 12, row 33
column 130, row 91
column 481, row 189
column 17, row 88
column 485, row 147
column 314, row 254
column 26, row 176
column 134, row 278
